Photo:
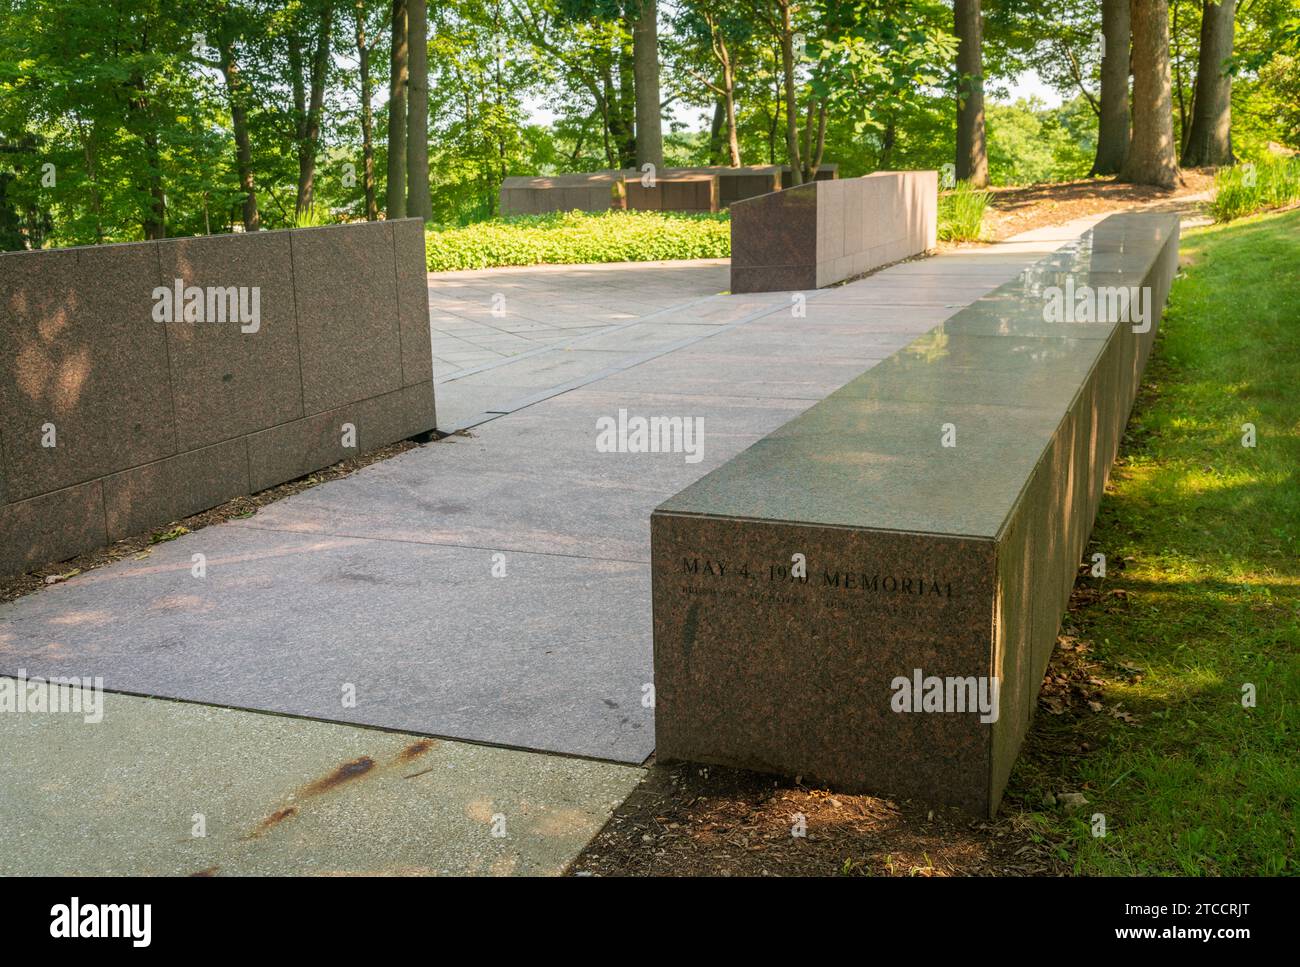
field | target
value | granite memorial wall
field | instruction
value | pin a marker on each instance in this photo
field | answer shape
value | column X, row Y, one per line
column 143, row 382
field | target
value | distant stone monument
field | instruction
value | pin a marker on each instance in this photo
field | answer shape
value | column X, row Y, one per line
column 704, row 189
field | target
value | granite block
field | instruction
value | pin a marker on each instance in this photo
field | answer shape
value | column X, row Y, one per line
column 228, row 382
column 418, row 411
column 158, row 410
column 85, row 355
column 144, row 497
column 51, row 527
column 825, row 172
column 854, row 225
column 781, row 278
column 816, row 659
column 413, row 300
column 295, row 449
column 345, row 281
column 770, row 231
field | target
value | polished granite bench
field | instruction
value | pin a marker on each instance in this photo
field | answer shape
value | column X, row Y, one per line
column 923, row 562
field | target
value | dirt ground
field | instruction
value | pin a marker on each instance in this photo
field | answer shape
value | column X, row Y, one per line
column 1015, row 210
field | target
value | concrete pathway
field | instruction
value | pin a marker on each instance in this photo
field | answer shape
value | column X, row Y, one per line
column 490, row 587
column 174, row 789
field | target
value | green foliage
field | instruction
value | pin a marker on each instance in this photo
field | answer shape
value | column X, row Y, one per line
column 1253, row 187
column 132, row 103
column 1029, row 143
column 961, row 213
column 565, row 238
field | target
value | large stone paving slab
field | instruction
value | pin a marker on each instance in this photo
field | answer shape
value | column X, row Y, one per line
column 283, row 796
column 555, row 494
column 552, row 656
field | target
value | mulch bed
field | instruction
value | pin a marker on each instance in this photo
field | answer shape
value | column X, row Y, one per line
column 1015, row 210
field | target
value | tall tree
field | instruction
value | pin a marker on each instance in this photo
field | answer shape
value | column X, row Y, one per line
column 367, row 121
column 237, row 94
column 785, row 32
column 308, row 66
column 645, row 57
column 418, row 204
column 1151, row 158
column 396, row 183
column 972, row 153
column 714, row 39
column 1209, row 141
column 1112, row 120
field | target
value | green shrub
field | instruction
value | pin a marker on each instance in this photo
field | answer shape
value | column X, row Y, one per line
column 961, row 213
column 571, row 238
column 1245, row 189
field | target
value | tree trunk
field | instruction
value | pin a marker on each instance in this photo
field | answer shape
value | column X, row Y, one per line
column 239, row 122
column 625, row 108
column 819, row 144
column 363, row 56
column 716, row 131
column 1176, row 64
column 733, row 138
column 1112, row 122
column 791, row 95
column 309, row 110
column 155, row 223
column 887, row 142
column 367, row 122
column 972, row 156
column 645, row 56
column 1209, row 143
column 418, row 203
column 396, row 186
column 1151, row 157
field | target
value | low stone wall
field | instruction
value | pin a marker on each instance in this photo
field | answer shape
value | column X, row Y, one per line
column 595, row 191
column 127, row 402
column 683, row 189
column 674, row 190
column 940, row 505
column 826, row 231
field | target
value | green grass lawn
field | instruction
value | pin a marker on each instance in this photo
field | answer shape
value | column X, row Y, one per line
column 1202, row 594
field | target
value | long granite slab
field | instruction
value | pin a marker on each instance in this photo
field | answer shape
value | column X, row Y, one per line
column 923, row 560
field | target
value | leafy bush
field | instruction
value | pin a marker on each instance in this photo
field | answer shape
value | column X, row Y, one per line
column 1244, row 189
column 961, row 213
column 570, row 238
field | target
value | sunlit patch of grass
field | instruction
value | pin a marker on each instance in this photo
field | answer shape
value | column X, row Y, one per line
column 1209, row 606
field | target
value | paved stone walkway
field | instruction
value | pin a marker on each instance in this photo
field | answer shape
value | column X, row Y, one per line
column 492, row 587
